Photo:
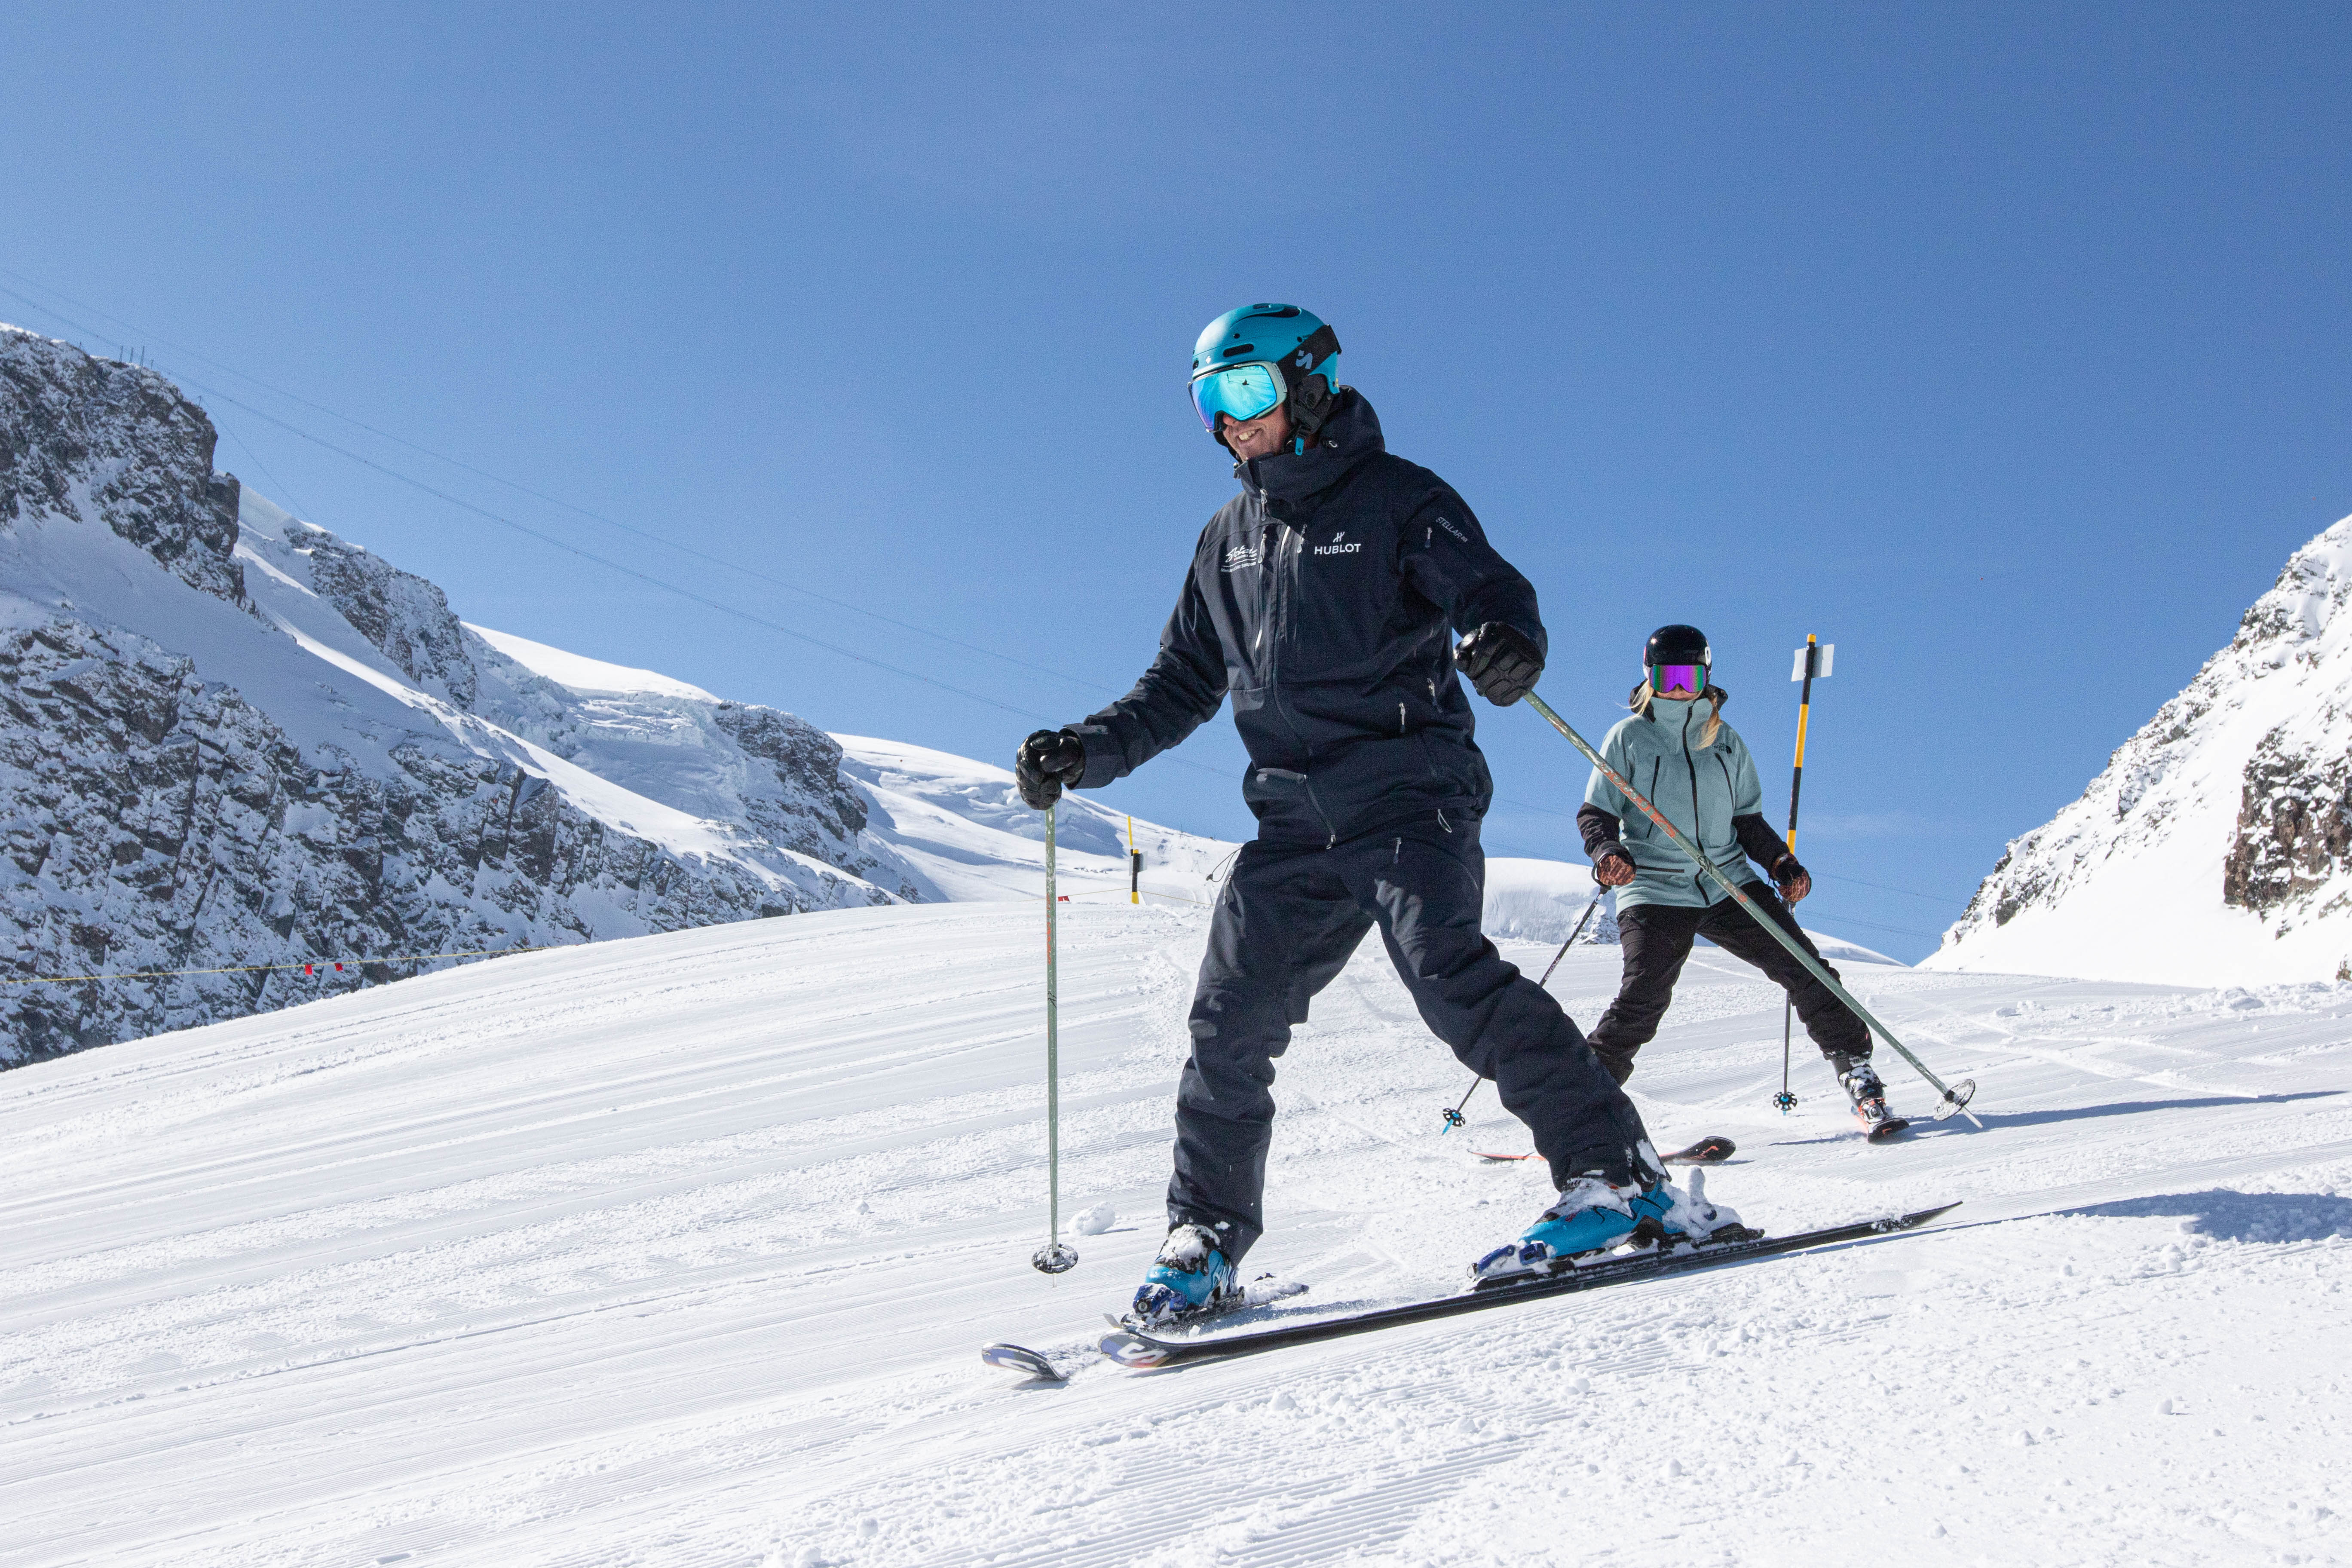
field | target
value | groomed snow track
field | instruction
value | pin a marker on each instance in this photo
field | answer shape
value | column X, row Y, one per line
column 681, row 1250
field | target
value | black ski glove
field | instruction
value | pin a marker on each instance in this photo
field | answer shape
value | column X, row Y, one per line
column 1794, row 880
column 1501, row 661
column 1048, row 761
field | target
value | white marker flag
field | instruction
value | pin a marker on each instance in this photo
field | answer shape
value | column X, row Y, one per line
column 1797, row 672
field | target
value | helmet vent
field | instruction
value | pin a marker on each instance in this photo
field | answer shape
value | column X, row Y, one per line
column 1241, row 349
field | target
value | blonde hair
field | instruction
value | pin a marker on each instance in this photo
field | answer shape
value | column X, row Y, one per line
column 1643, row 695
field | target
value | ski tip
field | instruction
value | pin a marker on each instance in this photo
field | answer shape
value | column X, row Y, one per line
column 1132, row 1350
column 1023, row 1359
column 1917, row 1218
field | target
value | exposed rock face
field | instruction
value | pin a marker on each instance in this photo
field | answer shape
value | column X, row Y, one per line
column 406, row 618
column 2214, row 848
column 228, row 738
column 2295, row 826
column 96, row 442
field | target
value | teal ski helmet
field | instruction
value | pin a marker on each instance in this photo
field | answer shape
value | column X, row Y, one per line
column 1251, row 360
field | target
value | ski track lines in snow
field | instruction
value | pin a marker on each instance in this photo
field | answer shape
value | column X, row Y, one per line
column 679, row 1250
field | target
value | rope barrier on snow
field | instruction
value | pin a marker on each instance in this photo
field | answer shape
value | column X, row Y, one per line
column 1147, row 893
column 339, row 965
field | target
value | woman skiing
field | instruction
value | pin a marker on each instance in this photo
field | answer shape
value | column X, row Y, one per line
column 1694, row 767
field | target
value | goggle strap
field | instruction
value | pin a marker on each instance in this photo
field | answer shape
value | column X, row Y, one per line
column 1318, row 346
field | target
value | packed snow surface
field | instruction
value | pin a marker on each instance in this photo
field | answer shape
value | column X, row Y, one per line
column 582, row 673
column 680, row 1250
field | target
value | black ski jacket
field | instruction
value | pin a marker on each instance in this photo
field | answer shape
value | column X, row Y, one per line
column 1319, row 600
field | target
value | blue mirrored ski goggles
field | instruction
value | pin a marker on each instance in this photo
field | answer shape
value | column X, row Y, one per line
column 1238, row 392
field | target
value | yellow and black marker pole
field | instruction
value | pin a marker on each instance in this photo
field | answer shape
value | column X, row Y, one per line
column 1134, row 865
column 1813, row 660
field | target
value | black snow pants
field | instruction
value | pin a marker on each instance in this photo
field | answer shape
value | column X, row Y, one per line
column 1657, row 939
column 1284, row 929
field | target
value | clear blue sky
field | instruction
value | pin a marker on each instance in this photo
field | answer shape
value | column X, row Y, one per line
column 2008, row 347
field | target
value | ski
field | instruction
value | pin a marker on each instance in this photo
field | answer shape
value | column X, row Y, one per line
column 1880, row 1131
column 1712, row 1149
column 1023, row 1359
column 1262, row 1291
column 1134, row 1348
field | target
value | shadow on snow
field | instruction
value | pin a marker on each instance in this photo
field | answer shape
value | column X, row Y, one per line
column 2229, row 1215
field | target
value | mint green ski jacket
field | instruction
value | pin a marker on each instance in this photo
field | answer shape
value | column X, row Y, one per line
column 1709, row 792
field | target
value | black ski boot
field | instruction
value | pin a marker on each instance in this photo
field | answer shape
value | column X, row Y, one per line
column 1869, row 1097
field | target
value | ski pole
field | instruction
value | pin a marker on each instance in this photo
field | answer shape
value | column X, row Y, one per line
column 1955, row 1098
column 1053, row 1257
column 1811, row 658
column 1454, row 1117
column 1571, row 942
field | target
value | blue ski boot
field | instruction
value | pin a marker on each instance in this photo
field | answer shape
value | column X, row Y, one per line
column 1191, row 1277
column 1593, row 1214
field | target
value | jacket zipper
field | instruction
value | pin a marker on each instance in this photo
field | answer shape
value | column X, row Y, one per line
column 1286, row 554
column 1698, row 825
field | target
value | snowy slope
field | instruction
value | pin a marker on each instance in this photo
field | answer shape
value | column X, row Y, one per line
column 2213, row 848
column 679, row 1250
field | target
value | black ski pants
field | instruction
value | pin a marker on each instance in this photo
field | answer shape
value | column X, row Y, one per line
column 1283, row 930
column 1657, row 938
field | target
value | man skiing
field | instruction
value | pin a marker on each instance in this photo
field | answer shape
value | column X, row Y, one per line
column 1318, row 600
column 1696, row 771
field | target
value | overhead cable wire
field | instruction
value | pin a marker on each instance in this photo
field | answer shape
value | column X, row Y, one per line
column 541, row 495
column 610, row 564
column 1873, row 925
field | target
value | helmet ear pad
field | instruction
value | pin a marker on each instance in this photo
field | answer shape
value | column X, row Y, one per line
column 1310, row 405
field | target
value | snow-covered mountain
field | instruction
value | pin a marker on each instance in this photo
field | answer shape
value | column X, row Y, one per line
column 2216, row 848
column 230, row 737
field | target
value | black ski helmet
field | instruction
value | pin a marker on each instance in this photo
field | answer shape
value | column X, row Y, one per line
column 1677, row 645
